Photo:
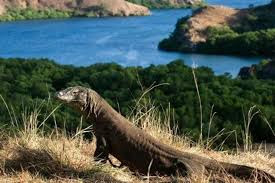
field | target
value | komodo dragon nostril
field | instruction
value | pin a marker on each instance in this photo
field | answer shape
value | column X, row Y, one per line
column 59, row 94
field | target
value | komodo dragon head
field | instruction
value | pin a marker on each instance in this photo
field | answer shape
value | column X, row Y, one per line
column 80, row 98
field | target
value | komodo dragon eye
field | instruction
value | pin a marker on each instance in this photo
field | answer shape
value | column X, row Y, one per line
column 75, row 92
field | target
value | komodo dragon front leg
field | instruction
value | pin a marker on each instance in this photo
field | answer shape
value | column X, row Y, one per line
column 102, row 152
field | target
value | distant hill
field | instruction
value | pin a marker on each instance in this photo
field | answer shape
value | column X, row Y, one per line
column 32, row 9
column 167, row 3
column 223, row 30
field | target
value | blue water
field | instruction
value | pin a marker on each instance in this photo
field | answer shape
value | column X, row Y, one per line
column 127, row 41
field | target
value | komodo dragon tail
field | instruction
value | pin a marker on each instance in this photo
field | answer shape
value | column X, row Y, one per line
column 239, row 171
column 246, row 172
column 198, row 164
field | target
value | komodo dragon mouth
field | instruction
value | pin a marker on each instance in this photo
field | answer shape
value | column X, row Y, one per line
column 80, row 98
column 136, row 149
column 77, row 95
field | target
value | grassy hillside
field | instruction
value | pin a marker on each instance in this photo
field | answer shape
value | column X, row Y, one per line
column 30, row 154
column 29, row 82
column 219, row 30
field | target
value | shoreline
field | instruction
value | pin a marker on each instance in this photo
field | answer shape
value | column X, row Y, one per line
column 42, row 14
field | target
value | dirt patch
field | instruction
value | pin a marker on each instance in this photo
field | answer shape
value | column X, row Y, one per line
column 209, row 16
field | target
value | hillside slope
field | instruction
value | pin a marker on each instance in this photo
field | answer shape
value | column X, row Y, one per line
column 167, row 3
column 223, row 30
column 73, row 7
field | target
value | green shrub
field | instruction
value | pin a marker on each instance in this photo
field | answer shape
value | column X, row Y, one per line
column 28, row 14
column 224, row 40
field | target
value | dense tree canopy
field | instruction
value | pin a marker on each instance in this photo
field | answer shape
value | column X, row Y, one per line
column 224, row 40
column 25, row 83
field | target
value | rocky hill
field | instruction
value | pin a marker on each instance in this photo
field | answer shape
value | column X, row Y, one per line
column 167, row 3
column 73, row 7
column 223, row 30
column 263, row 70
column 191, row 31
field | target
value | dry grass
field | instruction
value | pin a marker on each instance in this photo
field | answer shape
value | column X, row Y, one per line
column 49, row 159
column 212, row 16
column 32, row 156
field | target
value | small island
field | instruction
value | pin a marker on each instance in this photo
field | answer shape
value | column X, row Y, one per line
column 223, row 30
column 43, row 9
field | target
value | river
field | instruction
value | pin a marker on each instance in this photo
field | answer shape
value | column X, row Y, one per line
column 127, row 41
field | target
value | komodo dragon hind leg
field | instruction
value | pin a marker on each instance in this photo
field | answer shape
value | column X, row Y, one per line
column 186, row 167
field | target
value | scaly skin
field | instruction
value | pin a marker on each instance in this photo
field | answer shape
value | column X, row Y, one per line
column 138, row 150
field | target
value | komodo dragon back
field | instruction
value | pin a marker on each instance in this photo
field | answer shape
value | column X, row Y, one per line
column 138, row 150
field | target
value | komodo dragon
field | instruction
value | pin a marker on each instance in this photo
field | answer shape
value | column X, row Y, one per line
column 138, row 150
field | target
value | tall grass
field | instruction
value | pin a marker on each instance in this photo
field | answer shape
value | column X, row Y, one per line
column 210, row 141
column 200, row 104
column 247, row 122
column 251, row 114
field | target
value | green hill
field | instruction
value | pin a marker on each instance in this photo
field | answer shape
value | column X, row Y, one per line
column 221, row 30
